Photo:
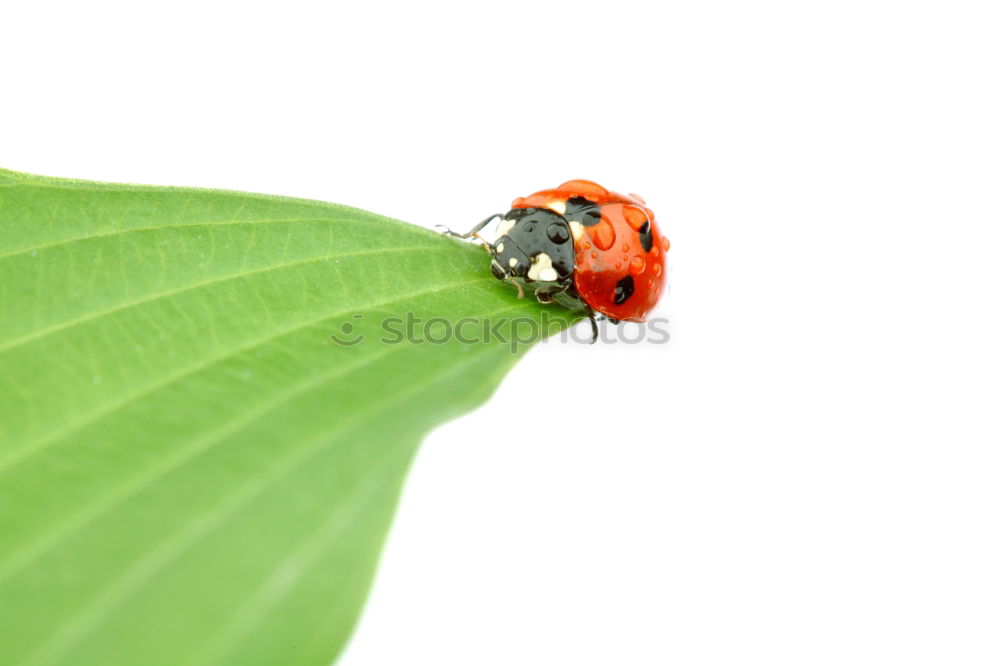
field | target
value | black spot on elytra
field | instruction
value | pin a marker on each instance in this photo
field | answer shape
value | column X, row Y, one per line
column 646, row 236
column 558, row 233
column 583, row 211
column 624, row 289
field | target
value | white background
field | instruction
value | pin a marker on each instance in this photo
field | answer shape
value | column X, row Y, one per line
column 808, row 473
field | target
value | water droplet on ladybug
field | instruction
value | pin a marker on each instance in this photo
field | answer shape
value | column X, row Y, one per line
column 657, row 269
column 603, row 234
column 584, row 187
column 635, row 216
column 625, row 247
column 637, row 266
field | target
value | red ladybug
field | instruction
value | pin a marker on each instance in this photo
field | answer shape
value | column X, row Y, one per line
column 585, row 246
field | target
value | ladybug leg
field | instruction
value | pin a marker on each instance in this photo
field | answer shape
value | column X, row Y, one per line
column 546, row 294
column 471, row 233
column 593, row 324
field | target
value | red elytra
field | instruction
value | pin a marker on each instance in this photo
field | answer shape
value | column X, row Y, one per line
column 620, row 267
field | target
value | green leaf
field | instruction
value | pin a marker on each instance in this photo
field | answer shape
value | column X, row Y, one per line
column 191, row 472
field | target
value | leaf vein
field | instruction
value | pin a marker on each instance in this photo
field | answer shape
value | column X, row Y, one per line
column 47, row 440
column 36, row 335
column 76, row 627
column 188, row 225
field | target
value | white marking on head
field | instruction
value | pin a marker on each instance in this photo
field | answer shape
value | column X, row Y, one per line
column 577, row 229
column 512, row 262
column 557, row 206
column 541, row 269
column 500, row 248
column 505, row 226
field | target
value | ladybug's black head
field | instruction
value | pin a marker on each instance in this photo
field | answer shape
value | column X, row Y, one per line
column 509, row 260
column 533, row 244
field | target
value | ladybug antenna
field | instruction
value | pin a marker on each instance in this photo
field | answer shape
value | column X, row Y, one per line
column 471, row 233
column 520, row 289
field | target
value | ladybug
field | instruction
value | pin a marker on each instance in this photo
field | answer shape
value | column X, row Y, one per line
column 584, row 246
